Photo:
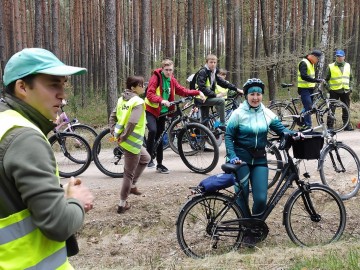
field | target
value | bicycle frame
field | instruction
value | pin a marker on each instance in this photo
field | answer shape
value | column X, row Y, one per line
column 178, row 113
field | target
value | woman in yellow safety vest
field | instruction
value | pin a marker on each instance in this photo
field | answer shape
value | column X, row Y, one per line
column 129, row 131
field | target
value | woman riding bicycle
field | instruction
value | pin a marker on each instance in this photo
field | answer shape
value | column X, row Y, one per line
column 245, row 140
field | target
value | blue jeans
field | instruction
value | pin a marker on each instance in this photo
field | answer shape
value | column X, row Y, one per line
column 307, row 102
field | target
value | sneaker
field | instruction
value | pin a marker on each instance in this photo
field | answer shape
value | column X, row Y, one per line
column 348, row 128
column 135, row 191
column 123, row 209
column 304, row 128
column 151, row 164
column 162, row 169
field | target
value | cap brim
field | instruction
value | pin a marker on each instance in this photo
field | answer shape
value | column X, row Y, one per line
column 63, row 71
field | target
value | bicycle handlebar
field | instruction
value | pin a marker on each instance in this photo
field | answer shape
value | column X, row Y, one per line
column 181, row 100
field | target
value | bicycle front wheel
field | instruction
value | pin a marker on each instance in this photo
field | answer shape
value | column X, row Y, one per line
column 85, row 131
column 197, row 148
column 324, row 226
column 339, row 168
column 107, row 154
column 72, row 153
column 336, row 116
column 285, row 114
column 201, row 230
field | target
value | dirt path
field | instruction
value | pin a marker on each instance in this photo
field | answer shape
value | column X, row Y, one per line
column 144, row 237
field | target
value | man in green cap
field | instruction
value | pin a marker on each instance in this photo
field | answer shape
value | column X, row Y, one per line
column 37, row 216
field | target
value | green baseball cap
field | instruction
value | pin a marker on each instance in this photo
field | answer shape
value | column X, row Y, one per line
column 34, row 61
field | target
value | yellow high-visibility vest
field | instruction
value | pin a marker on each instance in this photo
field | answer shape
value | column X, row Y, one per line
column 124, row 108
column 152, row 104
column 22, row 244
column 339, row 80
column 310, row 72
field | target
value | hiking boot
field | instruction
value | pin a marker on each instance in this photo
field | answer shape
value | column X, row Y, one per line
column 122, row 209
column 348, row 128
column 135, row 191
column 151, row 164
column 162, row 169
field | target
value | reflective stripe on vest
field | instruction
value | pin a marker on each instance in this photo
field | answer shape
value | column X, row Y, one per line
column 310, row 72
column 152, row 104
column 22, row 244
column 124, row 108
column 339, row 80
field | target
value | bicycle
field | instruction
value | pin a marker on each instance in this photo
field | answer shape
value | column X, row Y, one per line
column 191, row 143
column 64, row 124
column 330, row 111
column 211, row 123
column 212, row 223
column 338, row 164
column 72, row 153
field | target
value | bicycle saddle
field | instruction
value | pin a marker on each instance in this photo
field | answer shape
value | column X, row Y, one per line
column 285, row 85
column 231, row 168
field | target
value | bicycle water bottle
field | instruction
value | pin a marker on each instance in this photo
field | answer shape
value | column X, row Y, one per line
column 216, row 124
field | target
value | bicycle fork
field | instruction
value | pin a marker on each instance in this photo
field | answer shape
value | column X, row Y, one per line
column 305, row 195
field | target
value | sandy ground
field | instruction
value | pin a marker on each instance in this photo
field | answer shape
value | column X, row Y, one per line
column 144, row 237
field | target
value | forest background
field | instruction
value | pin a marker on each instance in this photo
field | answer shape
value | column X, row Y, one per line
column 117, row 38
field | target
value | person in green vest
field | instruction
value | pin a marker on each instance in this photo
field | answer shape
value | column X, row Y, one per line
column 129, row 116
column 37, row 215
column 307, row 81
column 339, row 78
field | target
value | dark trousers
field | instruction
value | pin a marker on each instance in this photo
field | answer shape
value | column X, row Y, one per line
column 155, row 127
column 307, row 102
column 342, row 96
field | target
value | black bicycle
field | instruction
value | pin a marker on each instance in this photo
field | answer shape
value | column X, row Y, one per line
column 72, row 153
column 197, row 146
column 212, row 223
column 334, row 113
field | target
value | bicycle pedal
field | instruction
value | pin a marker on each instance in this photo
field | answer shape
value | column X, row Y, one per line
column 306, row 175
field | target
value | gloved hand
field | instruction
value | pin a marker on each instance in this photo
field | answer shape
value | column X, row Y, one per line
column 235, row 160
column 298, row 136
column 321, row 80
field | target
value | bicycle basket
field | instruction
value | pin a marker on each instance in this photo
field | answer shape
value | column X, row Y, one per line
column 308, row 148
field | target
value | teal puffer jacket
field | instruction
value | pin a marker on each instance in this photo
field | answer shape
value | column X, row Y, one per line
column 247, row 129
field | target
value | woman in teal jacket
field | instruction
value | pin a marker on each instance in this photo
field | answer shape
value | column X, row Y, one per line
column 246, row 138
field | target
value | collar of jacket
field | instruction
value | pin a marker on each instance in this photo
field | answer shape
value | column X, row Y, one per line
column 30, row 113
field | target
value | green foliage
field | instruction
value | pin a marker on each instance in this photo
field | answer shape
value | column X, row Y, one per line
column 330, row 261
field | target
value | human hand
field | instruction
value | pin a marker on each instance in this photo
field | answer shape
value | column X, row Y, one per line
column 321, row 81
column 220, row 95
column 76, row 190
column 202, row 96
column 235, row 160
column 165, row 103
column 298, row 136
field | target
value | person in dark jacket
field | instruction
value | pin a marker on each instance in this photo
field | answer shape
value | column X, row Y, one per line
column 35, row 211
column 161, row 91
column 307, row 81
column 207, row 81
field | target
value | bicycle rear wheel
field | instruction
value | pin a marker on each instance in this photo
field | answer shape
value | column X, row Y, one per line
column 339, row 168
column 72, row 153
column 85, row 131
column 336, row 116
column 322, row 227
column 285, row 114
column 197, row 148
column 199, row 228
column 107, row 154
column 275, row 163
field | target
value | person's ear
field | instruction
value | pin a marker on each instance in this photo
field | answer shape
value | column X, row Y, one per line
column 20, row 89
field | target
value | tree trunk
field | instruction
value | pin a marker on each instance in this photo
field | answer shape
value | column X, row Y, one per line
column 38, row 23
column 145, row 33
column 111, row 72
column 55, row 27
